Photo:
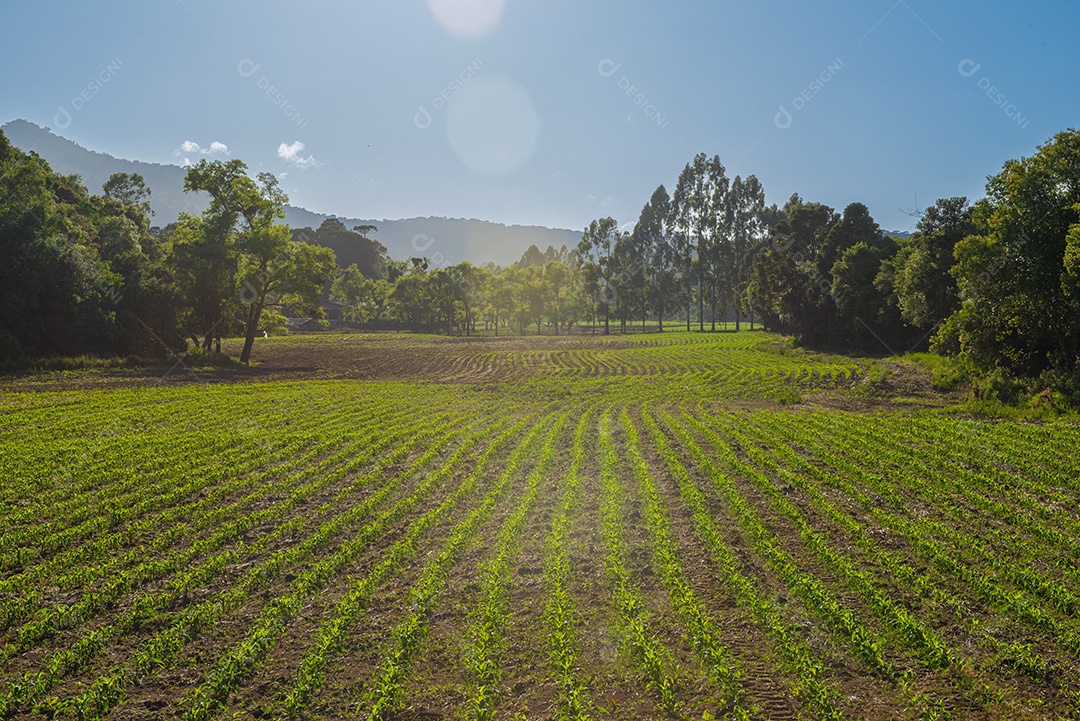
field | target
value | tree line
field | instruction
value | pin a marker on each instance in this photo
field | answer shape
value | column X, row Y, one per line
column 994, row 282
column 87, row 274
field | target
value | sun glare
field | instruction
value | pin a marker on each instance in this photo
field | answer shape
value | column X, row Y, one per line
column 469, row 19
column 492, row 125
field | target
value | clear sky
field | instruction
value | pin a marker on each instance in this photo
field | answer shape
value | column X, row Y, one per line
column 554, row 112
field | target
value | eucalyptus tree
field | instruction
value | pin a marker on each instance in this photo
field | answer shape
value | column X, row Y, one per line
column 595, row 250
column 718, row 256
column 500, row 298
column 746, row 226
column 687, row 213
column 558, row 278
column 653, row 238
column 697, row 208
column 627, row 279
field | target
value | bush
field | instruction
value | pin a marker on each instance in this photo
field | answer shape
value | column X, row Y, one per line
column 946, row 341
column 947, row 373
column 1059, row 390
column 999, row 385
column 11, row 351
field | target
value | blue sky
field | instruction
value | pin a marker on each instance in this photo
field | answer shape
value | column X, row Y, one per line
column 554, row 112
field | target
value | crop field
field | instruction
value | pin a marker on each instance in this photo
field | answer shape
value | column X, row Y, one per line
column 626, row 527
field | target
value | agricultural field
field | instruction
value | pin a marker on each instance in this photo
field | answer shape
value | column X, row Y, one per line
column 675, row 525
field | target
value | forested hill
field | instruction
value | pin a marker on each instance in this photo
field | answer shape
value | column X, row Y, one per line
column 66, row 157
column 445, row 240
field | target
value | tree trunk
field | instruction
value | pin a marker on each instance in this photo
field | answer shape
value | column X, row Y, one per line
column 701, row 304
column 713, row 311
column 701, row 310
column 254, row 311
column 644, row 307
column 689, row 303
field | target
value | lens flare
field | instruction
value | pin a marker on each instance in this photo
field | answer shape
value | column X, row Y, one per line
column 468, row 19
column 492, row 125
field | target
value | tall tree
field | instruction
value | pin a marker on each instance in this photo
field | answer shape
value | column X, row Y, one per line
column 528, row 296
column 627, row 278
column 697, row 208
column 595, row 249
column 208, row 245
column 558, row 277
column 653, row 240
column 469, row 282
column 500, row 298
column 687, row 212
column 719, row 257
column 746, row 226
column 409, row 301
column 241, row 226
column 864, row 314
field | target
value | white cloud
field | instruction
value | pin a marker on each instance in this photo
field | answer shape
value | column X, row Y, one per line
column 290, row 153
column 190, row 147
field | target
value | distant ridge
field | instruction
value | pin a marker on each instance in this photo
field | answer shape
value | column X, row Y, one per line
column 444, row 240
column 66, row 157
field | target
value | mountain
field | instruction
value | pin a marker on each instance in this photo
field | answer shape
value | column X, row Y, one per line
column 443, row 240
column 449, row 240
column 166, row 181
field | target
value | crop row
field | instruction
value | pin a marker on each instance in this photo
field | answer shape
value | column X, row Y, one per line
column 163, row 646
column 328, row 638
column 559, row 610
column 387, row 684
